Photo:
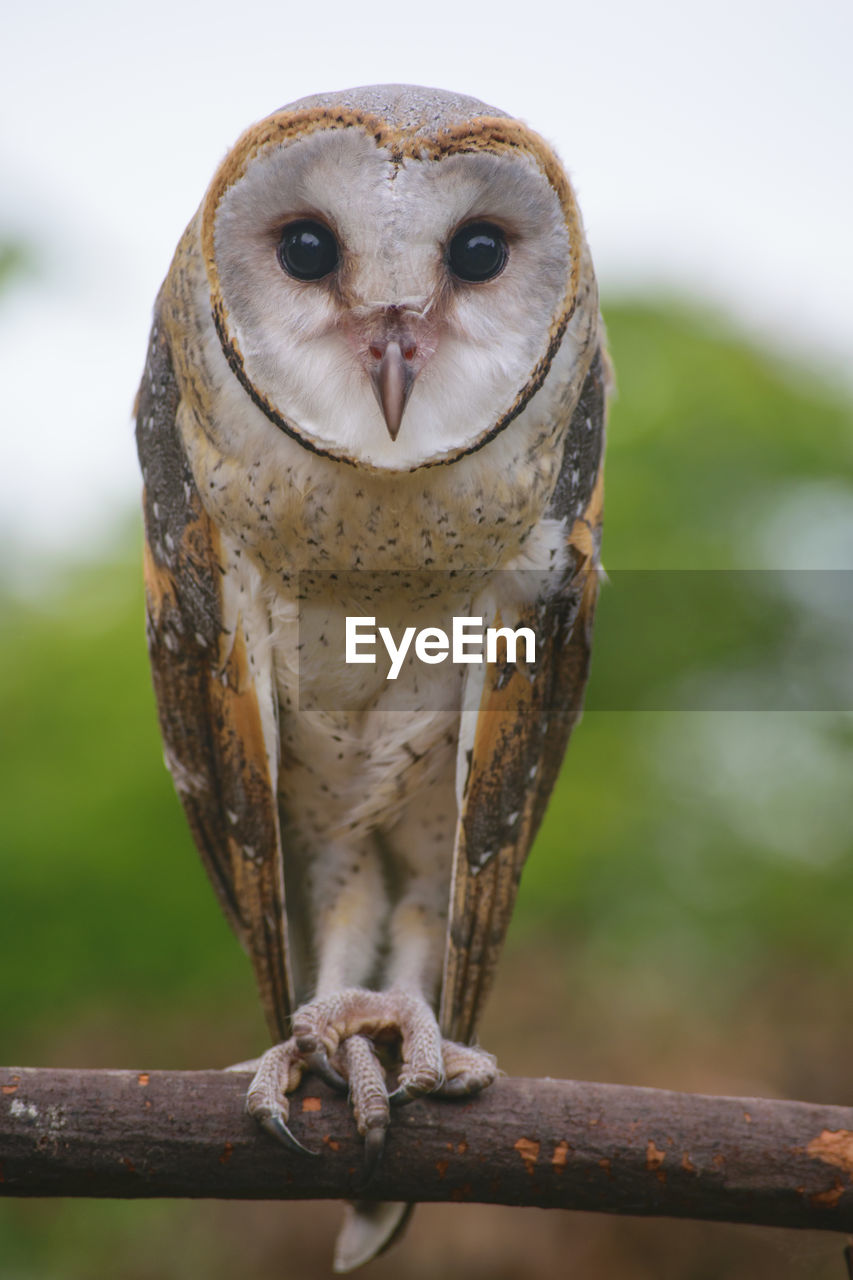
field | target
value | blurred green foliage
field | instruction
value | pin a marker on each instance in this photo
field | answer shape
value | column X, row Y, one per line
column 104, row 899
column 692, row 850
column 708, row 436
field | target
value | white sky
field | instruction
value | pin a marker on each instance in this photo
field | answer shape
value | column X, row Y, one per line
column 710, row 144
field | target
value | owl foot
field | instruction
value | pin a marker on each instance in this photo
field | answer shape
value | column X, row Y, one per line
column 351, row 1039
column 342, row 1024
column 280, row 1071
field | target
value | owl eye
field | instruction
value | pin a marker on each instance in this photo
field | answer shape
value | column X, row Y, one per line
column 307, row 250
column 478, row 252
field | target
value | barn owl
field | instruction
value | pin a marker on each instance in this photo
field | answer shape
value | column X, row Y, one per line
column 374, row 398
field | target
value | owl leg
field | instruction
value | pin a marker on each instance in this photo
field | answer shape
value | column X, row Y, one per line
column 419, row 846
column 348, row 902
column 423, row 839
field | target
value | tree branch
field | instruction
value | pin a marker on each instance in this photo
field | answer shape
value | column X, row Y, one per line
column 552, row 1143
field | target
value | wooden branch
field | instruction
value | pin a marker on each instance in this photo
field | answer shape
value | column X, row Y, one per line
column 553, row 1143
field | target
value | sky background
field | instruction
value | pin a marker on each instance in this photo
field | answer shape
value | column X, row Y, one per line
column 709, row 145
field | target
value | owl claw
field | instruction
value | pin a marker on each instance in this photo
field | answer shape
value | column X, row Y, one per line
column 374, row 1145
column 403, row 1095
column 276, row 1126
column 459, row 1087
column 319, row 1063
column 279, row 1070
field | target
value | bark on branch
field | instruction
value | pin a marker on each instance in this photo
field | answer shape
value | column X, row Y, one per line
column 552, row 1143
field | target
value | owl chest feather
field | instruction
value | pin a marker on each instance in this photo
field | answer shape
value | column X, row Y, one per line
column 317, row 541
column 298, row 518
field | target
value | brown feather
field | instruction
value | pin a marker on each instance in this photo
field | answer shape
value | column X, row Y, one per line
column 522, row 731
column 208, row 703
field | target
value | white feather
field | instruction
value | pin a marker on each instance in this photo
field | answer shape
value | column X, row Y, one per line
column 393, row 221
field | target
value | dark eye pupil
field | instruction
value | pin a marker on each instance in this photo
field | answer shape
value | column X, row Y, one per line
column 307, row 250
column 478, row 252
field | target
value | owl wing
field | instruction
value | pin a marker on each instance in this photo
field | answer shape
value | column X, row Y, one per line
column 512, row 755
column 209, row 700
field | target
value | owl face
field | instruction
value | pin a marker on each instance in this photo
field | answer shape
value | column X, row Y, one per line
column 390, row 295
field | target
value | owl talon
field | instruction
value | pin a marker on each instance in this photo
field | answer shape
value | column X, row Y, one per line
column 460, row 1087
column 374, row 1145
column 403, row 1095
column 319, row 1063
column 275, row 1125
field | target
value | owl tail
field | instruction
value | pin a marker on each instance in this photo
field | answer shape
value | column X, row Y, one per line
column 369, row 1228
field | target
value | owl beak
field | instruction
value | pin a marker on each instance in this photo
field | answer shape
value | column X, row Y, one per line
column 393, row 378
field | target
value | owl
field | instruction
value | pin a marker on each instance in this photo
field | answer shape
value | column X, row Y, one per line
column 374, row 395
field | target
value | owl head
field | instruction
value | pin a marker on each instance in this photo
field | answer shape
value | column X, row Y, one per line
column 395, row 272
